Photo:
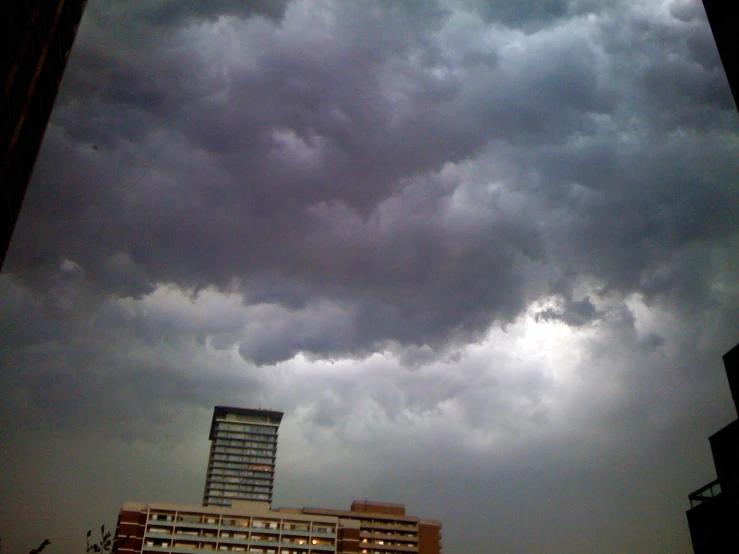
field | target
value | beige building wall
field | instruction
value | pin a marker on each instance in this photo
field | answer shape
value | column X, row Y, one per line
column 245, row 527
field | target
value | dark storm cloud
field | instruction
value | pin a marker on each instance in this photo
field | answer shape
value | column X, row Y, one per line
column 570, row 311
column 311, row 166
column 298, row 161
column 521, row 13
column 111, row 370
column 306, row 145
column 171, row 12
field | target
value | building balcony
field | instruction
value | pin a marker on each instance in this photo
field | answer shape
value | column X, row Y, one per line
column 405, row 536
column 393, row 526
column 705, row 493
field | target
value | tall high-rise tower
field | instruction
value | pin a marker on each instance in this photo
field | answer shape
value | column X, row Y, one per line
column 242, row 456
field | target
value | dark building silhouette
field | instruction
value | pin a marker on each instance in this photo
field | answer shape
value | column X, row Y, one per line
column 36, row 37
column 713, row 517
column 722, row 15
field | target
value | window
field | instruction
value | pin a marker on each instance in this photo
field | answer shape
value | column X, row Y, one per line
column 292, row 526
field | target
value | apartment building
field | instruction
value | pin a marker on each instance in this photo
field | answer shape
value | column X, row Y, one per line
column 246, row 527
column 254, row 528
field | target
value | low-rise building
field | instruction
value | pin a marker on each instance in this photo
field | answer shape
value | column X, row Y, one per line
column 254, row 528
column 248, row 527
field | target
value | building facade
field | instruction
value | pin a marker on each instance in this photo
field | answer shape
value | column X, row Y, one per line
column 36, row 37
column 713, row 517
column 243, row 450
column 254, row 528
column 245, row 527
column 386, row 529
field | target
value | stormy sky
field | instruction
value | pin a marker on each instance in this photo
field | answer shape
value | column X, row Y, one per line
column 482, row 253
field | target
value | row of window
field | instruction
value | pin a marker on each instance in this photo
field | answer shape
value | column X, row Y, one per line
column 389, row 533
column 235, row 435
column 261, row 442
column 243, row 451
column 236, row 496
column 213, row 536
column 241, row 466
column 219, row 479
column 255, row 486
column 384, row 542
column 385, row 523
column 217, row 457
column 253, row 549
column 211, row 545
column 246, row 428
column 215, row 486
column 230, row 521
column 217, row 501
column 240, row 472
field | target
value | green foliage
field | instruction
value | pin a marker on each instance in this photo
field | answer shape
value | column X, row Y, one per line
column 40, row 547
column 106, row 545
column 36, row 550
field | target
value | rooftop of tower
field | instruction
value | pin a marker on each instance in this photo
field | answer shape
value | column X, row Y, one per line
column 267, row 416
